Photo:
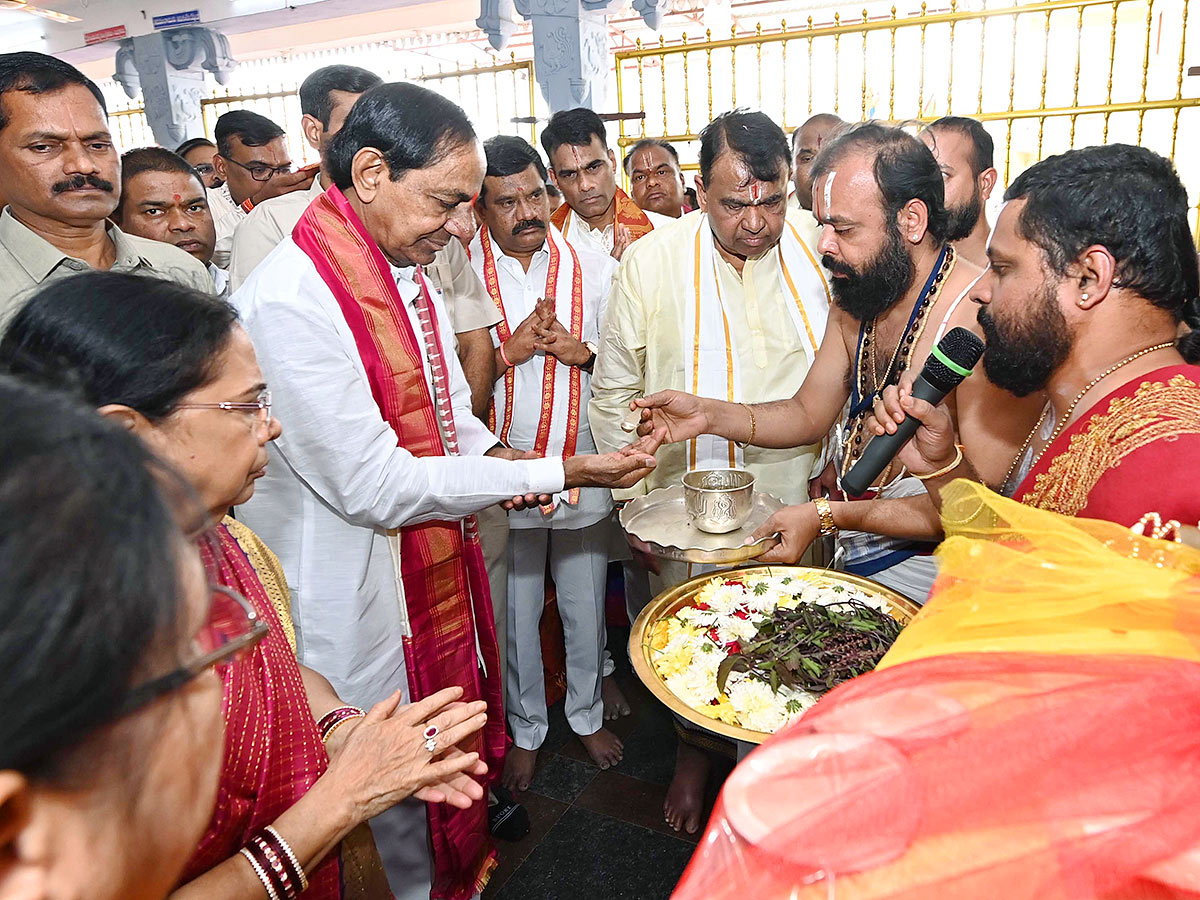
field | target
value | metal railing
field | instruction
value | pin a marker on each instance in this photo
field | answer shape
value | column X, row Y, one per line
column 1043, row 77
column 500, row 98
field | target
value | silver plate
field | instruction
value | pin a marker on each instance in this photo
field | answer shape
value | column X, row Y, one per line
column 658, row 524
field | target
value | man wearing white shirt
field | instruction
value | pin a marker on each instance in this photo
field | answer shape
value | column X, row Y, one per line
column 551, row 296
column 364, row 507
column 596, row 213
column 254, row 165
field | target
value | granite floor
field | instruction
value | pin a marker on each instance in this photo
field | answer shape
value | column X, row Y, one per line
column 598, row 834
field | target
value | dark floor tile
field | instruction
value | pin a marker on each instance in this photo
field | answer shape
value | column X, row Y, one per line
column 631, row 800
column 560, row 777
column 592, row 856
column 543, row 813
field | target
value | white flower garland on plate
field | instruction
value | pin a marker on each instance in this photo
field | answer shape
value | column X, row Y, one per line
column 689, row 646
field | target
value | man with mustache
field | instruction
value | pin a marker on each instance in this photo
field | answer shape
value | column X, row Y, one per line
column 1092, row 272
column 551, row 295
column 60, row 175
column 595, row 212
column 731, row 304
column 163, row 199
column 963, row 149
column 897, row 288
column 383, row 464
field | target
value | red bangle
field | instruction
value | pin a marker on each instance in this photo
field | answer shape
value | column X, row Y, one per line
column 247, row 205
column 275, row 839
column 504, row 356
column 335, row 717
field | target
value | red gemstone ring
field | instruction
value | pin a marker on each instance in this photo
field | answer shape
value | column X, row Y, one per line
column 431, row 732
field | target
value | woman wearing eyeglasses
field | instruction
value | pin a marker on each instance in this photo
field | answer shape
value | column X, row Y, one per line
column 110, row 742
column 174, row 367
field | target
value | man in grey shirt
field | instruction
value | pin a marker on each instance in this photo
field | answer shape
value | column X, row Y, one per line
column 60, row 174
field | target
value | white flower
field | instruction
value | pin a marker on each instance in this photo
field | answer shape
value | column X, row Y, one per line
column 758, row 707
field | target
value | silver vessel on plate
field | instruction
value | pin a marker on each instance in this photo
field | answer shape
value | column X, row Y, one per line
column 718, row 500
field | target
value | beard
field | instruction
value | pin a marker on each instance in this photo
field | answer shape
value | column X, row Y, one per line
column 960, row 220
column 1020, row 358
column 866, row 294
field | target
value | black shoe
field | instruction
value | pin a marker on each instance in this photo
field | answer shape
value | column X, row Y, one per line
column 508, row 820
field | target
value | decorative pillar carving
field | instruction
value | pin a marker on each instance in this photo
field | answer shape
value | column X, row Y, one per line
column 167, row 68
column 570, row 43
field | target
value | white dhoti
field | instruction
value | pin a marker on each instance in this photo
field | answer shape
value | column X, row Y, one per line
column 578, row 564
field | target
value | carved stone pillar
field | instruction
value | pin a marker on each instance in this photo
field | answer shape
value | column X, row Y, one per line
column 168, row 68
column 570, row 51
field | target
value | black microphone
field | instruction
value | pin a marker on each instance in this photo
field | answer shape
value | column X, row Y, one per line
column 951, row 361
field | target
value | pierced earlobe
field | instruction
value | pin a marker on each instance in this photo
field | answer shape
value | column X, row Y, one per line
column 1083, row 298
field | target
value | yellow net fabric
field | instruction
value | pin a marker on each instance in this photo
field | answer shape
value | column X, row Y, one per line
column 1018, row 579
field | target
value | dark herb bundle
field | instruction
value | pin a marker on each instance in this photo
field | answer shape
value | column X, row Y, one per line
column 814, row 648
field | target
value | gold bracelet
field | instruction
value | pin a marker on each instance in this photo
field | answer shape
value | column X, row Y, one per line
column 945, row 470
column 753, row 426
column 825, row 514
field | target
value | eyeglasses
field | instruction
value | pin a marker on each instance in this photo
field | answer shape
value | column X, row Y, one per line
column 260, row 404
column 204, row 168
column 261, row 171
column 231, row 628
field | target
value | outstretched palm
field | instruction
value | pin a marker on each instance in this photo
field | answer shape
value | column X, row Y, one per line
column 672, row 416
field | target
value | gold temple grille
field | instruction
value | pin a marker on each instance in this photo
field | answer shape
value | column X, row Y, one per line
column 500, row 98
column 1043, row 77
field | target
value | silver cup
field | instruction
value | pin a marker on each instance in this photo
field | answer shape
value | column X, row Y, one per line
column 718, row 500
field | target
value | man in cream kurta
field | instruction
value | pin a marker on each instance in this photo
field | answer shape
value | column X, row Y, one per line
column 725, row 302
column 643, row 348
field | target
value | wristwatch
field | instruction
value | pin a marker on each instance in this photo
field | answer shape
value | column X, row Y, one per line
column 587, row 366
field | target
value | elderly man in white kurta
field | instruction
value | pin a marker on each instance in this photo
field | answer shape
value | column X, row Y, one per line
column 728, row 303
column 365, row 502
column 551, row 296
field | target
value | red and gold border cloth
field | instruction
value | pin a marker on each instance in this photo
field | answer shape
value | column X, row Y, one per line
column 445, row 583
column 627, row 213
column 557, row 437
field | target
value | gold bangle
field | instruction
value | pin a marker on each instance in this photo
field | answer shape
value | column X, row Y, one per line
column 825, row 514
column 753, row 426
column 945, row 470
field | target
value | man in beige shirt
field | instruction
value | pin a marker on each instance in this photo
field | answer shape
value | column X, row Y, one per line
column 61, row 177
column 738, row 276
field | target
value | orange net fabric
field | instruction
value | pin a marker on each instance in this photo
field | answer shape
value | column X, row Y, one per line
column 1035, row 734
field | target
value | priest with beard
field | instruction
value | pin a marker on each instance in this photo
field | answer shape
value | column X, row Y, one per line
column 963, row 150
column 897, row 282
column 1081, row 308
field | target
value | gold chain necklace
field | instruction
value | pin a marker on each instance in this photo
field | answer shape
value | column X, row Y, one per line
column 1066, row 416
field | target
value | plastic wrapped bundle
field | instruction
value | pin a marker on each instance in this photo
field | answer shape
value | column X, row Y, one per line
column 1035, row 733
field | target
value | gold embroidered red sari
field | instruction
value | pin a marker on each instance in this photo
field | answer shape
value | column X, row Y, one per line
column 445, row 584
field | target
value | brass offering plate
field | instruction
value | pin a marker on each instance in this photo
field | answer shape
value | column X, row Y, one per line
column 658, row 523
column 667, row 603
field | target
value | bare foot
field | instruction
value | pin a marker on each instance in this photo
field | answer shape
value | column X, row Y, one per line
column 518, row 769
column 685, row 796
column 615, row 704
column 604, row 747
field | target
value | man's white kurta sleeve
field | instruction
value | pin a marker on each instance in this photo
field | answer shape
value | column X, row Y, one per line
column 336, row 440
